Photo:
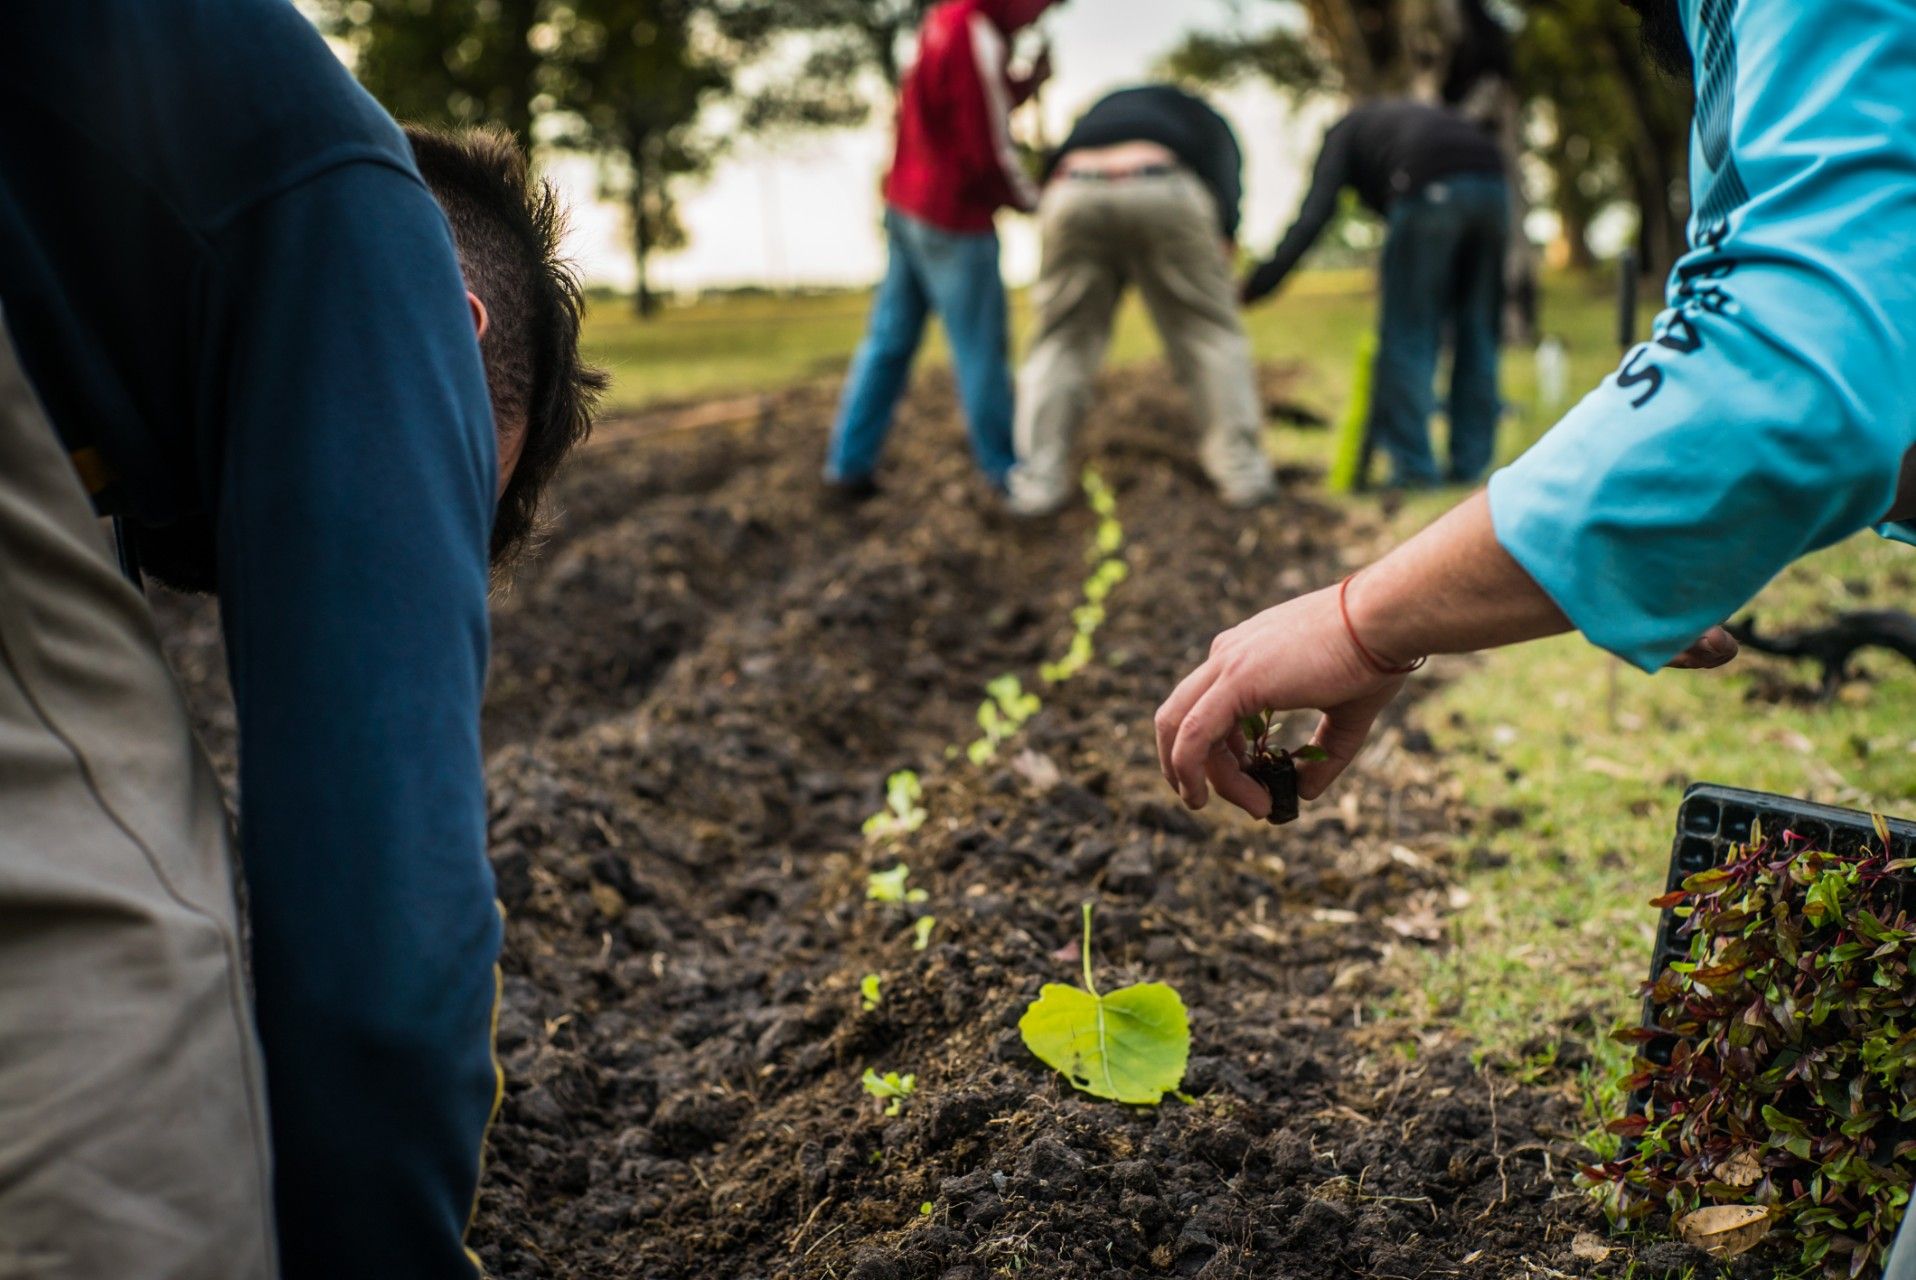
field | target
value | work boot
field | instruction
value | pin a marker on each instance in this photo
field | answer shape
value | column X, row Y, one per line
column 1250, row 497
column 1032, row 496
column 853, row 492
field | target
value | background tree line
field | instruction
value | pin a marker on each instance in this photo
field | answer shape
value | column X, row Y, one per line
column 657, row 89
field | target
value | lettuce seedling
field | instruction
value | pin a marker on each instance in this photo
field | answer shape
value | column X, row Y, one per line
column 891, row 1088
column 1129, row 1046
column 1105, row 579
column 1790, row 1084
column 921, row 932
column 868, row 991
column 902, row 813
column 889, row 886
column 1075, row 659
column 1002, row 714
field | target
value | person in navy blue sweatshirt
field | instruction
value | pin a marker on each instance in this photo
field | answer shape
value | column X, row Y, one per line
column 234, row 314
column 1438, row 179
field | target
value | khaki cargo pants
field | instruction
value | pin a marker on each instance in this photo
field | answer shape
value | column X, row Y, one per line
column 133, row 1139
column 1160, row 232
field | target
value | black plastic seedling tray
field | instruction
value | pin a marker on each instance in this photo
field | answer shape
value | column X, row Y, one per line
column 1712, row 820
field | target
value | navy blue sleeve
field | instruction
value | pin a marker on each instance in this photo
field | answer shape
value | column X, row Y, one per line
column 1320, row 206
column 356, row 500
column 1224, row 169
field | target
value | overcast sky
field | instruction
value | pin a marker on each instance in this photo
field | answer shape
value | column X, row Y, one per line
column 806, row 210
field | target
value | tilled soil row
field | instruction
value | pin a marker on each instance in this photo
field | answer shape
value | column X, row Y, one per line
column 697, row 696
column 697, row 693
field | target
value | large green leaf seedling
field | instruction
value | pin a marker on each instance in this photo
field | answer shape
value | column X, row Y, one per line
column 1128, row 1046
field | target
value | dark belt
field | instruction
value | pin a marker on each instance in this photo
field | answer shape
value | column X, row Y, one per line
column 1120, row 175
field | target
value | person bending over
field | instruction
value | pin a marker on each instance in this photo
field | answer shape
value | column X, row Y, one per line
column 235, row 317
column 1144, row 191
column 1438, row 180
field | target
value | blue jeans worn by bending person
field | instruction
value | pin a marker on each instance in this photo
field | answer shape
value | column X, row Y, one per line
column 956, row 276
column 1443, row 270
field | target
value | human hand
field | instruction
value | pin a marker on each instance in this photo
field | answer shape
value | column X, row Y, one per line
column 1297, row 655
column 1715, row 648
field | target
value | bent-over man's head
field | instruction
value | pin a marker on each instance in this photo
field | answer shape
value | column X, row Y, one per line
column 506, row 225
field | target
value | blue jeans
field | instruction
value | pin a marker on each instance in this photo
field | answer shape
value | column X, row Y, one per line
column 955, row 275
column 1443, row 269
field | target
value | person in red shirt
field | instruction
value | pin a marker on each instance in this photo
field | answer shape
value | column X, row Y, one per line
column 954, row 168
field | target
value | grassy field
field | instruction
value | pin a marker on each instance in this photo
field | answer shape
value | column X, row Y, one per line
column 1588, row 758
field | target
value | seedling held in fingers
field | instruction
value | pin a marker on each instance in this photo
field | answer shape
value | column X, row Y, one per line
column 1274, row 768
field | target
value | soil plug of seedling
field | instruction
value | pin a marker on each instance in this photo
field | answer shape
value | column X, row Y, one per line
column 891, row 1088
column 889, row 886
column 1129, row 1046
column 1274, row 768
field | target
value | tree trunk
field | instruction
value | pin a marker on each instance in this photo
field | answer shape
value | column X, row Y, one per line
column 642, row 300
column 521, row 69
column 1656, row 162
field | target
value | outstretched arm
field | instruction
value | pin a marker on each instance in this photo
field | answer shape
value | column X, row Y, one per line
column 1451, row 589
column 1320, row 206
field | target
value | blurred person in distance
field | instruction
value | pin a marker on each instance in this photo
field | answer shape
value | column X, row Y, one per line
column 953, row 168
column 1145, row 190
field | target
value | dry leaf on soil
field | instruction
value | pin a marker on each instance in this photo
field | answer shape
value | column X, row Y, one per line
column 1725, row 1230
column 1740, row 1170
column 1589, row 1247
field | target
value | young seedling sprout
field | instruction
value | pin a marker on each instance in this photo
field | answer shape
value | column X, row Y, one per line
column 891, row 1088
column 1002, row 714
column 1274, row 768
column 921, row 932
column 868, row 991
column 902, row 813
column 889, row 886
column 1087, row 617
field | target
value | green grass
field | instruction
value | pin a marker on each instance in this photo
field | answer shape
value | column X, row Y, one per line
column 1592, row 756
column 734, row 346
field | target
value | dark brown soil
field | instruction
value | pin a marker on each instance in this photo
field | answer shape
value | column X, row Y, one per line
column 698, row 693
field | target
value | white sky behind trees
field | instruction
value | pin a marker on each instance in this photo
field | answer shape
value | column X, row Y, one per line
column 805, row 209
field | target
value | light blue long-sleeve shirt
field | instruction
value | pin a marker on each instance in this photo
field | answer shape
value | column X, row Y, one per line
column 1770, row 414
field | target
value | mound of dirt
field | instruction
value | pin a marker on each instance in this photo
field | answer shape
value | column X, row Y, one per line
column 698, row 693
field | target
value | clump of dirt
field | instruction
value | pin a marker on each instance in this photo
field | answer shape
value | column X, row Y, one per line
column 698, row 694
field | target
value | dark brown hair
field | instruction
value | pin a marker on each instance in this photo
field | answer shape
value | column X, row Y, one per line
column 507, row 225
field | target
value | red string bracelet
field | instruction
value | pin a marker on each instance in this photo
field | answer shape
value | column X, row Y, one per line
column 1370, row 659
